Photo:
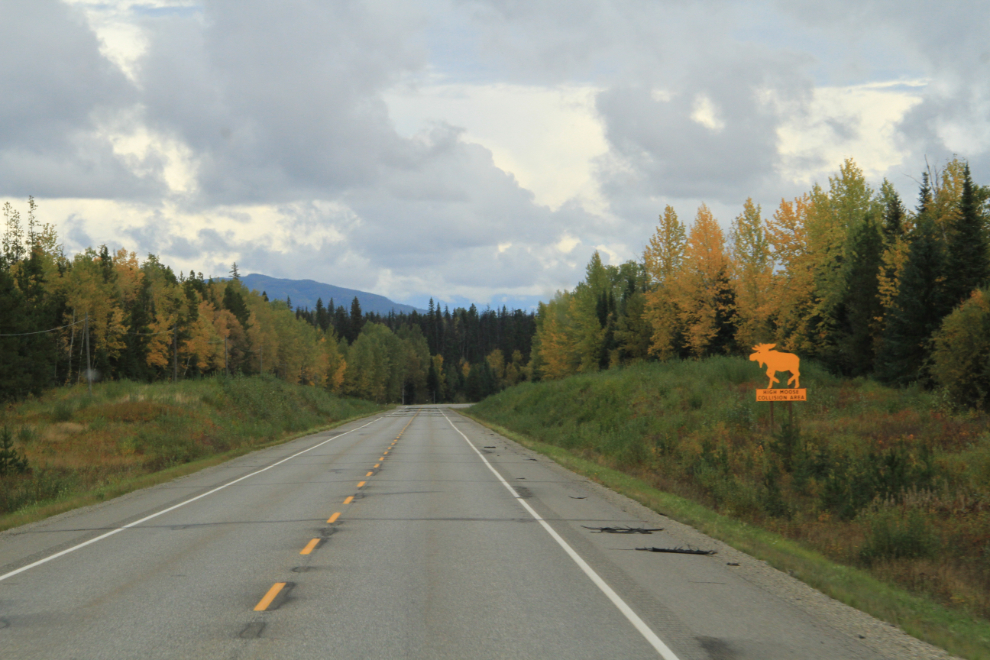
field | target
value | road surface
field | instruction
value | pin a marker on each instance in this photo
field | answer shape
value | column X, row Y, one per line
column 413, row 534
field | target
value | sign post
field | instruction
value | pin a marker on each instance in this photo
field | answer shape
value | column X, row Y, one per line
column 776, row 361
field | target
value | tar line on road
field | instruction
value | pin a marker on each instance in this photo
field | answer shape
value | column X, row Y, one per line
column 174, row 507
column 623, row 607
column 270, row 596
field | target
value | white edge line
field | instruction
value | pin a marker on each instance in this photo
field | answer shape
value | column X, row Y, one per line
column 173, row 507
column 634, row 619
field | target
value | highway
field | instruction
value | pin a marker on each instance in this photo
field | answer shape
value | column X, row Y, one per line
column 413, row 534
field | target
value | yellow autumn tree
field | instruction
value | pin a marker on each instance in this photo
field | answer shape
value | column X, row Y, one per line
column 793, row 285
column 556, row 346
column 752, row 270
column 702, row 290
column 663, row 259
column 91, row 290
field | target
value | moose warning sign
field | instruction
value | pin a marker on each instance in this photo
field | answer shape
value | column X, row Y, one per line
column 777, row 361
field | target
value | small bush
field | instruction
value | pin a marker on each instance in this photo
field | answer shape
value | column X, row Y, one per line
column 62, row 411
column 893, row 535
column 10, row 461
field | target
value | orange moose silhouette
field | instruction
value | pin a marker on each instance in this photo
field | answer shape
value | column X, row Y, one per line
column 777, row 361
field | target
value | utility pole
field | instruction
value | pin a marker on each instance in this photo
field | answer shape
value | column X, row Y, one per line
column 175, row 354
column 226, row 371
column 89, row 370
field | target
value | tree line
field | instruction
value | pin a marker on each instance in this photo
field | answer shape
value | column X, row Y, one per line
column 845, row 275
column 472, row 354
column 842, row 274
column 109, row 315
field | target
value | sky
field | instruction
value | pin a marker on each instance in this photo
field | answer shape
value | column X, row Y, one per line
column 469, row 150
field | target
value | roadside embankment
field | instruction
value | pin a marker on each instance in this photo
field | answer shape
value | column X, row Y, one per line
column 886, row 489
column 81, row 449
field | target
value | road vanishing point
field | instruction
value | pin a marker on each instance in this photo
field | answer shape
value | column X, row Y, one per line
column 417, row 533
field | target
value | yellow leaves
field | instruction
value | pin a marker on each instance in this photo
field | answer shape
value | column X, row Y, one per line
column 665, row 252
column 496, row 360
column 793, row 290
column 695, row 290
column 704, row 254
column 753, row 274
column 787, row 231
column 129, row 275
column 662, row 314
column 556, row 340
column 203, row 348
column 894, row 259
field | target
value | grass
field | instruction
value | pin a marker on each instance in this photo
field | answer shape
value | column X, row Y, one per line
column 83, row 449
column 877, row 497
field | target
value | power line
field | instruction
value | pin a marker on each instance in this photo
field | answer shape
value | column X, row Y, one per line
column 68, row 325
column 41, row 332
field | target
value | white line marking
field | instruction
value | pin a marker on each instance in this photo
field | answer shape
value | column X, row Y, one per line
column 174, row 507
column 634, row 619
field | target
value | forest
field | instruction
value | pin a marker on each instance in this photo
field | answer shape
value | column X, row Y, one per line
column 844, row 275
column 131, row 319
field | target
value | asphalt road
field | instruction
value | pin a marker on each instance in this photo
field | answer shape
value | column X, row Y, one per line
column 446, row 541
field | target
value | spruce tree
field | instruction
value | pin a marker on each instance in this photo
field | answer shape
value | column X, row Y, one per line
column 919, row 307
column 726, row 316
column 893, row 214
column 355, row 323
column 967, row 260
column 858, row 324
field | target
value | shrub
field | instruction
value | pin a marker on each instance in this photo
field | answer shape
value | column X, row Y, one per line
column 10, row 461
column 62, row 411
column 961, row 359
column 894, row 535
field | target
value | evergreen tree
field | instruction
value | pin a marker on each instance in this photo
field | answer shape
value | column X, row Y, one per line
column 726, row 321
column 859, row 314
column 355, row 322
column 233, row 301
column 433, row 384
column 967, row 259
column 919, row 307
column 133, row 359
column 893, row 213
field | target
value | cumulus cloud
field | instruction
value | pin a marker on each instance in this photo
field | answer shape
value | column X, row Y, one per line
column 467, row 149
column 58, row 91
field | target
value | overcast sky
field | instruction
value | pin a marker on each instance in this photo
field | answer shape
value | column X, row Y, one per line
column 470, row 150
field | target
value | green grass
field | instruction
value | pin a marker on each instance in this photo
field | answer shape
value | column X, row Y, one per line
column 83, row 449
column 875, row 497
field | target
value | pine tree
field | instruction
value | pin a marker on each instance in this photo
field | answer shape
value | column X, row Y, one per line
column 967, row 263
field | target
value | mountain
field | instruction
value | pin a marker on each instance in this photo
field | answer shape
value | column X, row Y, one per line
column 305, row 292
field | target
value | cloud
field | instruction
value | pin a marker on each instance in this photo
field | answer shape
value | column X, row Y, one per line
column 58, row 91
column 468, row 149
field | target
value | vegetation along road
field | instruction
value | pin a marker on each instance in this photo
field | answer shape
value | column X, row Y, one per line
column 414, row 533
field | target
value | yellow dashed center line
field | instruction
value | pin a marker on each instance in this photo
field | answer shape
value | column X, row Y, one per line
column 369, row 474
column 385, row 452
column 378, row 464
column 333, row 518
column 361, row 484
column 269, row 597
column 382, row 458
column 309, row 547
column 350, row 498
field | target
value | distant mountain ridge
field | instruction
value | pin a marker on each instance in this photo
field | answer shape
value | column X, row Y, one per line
column 304, row 293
